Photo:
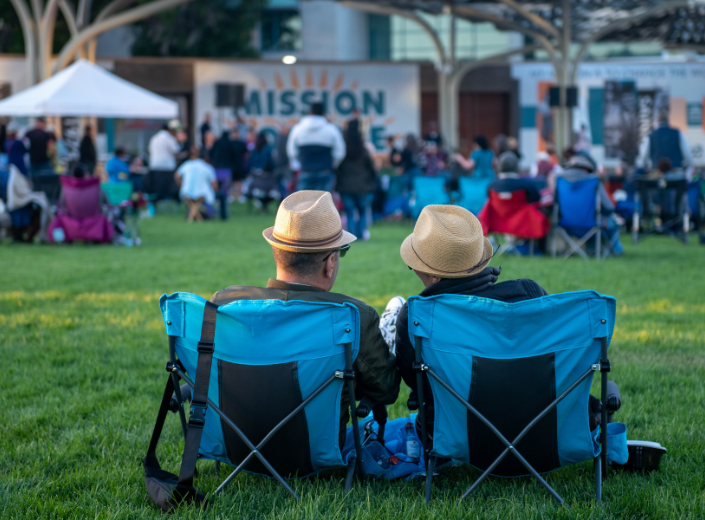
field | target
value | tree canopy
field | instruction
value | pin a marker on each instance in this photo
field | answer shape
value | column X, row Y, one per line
column 218, row 28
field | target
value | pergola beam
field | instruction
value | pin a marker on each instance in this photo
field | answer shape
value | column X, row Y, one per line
column 375, row 8
column 624, row 23
column 28, row 33
column 127, row 17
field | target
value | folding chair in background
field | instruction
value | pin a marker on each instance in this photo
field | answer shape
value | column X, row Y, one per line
column 267, row 379
column 508, row 214
column 117, row 192
column 511, row 381
column 79, row 214
column 673, row 198
column 427, row 191
column 577, row 213
column 473, row 193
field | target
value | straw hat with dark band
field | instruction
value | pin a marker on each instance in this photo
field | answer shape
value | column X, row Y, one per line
column 447, row 242
column 307, row 222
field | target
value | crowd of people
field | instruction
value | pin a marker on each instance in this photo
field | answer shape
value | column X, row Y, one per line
column 261, row 168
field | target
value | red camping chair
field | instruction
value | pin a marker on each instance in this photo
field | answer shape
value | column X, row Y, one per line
column 79, row 215
column 508, row 213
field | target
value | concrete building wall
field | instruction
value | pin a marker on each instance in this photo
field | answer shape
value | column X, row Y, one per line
column 333, row 32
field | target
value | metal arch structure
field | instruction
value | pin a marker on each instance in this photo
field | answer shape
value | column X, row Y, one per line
column 38, row 17
column 556, row 25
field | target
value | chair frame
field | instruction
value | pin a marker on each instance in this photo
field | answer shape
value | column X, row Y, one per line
column 684, row 219
column 576, row 246
column 512, row 242
column 600, row 462
column 177, row 372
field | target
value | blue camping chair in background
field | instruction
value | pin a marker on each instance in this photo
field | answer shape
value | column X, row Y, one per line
column 427, row 191
column 117, row 192
column 511, row 381
column 473, row 193
column 577, row 213
column 256, row 405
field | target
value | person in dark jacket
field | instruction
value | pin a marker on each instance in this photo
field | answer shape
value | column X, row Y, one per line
column 87, row 154
column 16, row 150
column 508, row 179
column 262, row 186
column 356, row 182
column 308, row 242
column 665, row 142
column 449, row 254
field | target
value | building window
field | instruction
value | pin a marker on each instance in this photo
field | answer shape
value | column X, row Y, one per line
column 281, row 30
column 409, row 41
column 380, row 32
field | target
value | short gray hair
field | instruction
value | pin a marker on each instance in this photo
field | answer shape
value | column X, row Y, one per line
column 508, row 163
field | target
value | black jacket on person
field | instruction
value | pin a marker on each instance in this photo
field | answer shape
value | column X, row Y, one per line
column 483, row 285
column 229, row 155
column 356, row 175
column 87, row 153
column 502, row 183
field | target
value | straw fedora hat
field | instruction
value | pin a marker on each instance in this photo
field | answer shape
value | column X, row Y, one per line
column 307, row 222
column 447, row 242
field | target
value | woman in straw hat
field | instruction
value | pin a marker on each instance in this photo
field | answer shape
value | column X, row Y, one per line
column 450, row 255
column 308, row 242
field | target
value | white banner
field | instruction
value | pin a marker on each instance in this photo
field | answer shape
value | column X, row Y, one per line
column 387, row 96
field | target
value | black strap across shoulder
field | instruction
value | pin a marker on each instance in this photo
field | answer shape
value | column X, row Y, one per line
column 164, row 488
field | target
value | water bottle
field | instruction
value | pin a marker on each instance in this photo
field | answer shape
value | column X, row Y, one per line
column 412, row 445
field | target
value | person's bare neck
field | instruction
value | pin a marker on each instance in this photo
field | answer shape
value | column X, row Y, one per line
column 313, row 281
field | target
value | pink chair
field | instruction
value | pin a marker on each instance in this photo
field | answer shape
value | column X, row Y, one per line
column 79, row 214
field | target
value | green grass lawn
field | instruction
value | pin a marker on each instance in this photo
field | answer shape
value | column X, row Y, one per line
column 83, row 350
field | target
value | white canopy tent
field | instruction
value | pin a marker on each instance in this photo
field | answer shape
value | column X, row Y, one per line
column 85, row 89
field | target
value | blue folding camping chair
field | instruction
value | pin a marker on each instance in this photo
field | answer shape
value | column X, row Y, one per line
column 473, row 193
column 267, row 380
column 511, row 381
column 577, row 213
column 427, row 191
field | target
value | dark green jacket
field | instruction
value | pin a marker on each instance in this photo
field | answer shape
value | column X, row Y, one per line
column 376, row 373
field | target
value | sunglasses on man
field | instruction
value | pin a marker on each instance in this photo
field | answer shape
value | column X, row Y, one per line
column 343, row 251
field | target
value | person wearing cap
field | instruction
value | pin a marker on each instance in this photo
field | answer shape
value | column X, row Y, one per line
column 308, row 242
column 450, row 255
column 163, row 148
column 580, row 167
column 508, row 179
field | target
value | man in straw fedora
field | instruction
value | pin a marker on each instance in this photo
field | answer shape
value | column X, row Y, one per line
column 450, row 255
column 308, row 242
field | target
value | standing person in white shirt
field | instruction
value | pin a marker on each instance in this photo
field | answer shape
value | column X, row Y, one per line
column 163, row 148
column 198, row 183
column 318, row 147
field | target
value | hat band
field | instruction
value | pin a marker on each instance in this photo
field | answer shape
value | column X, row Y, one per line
column 307, row 243
column 447, row 272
